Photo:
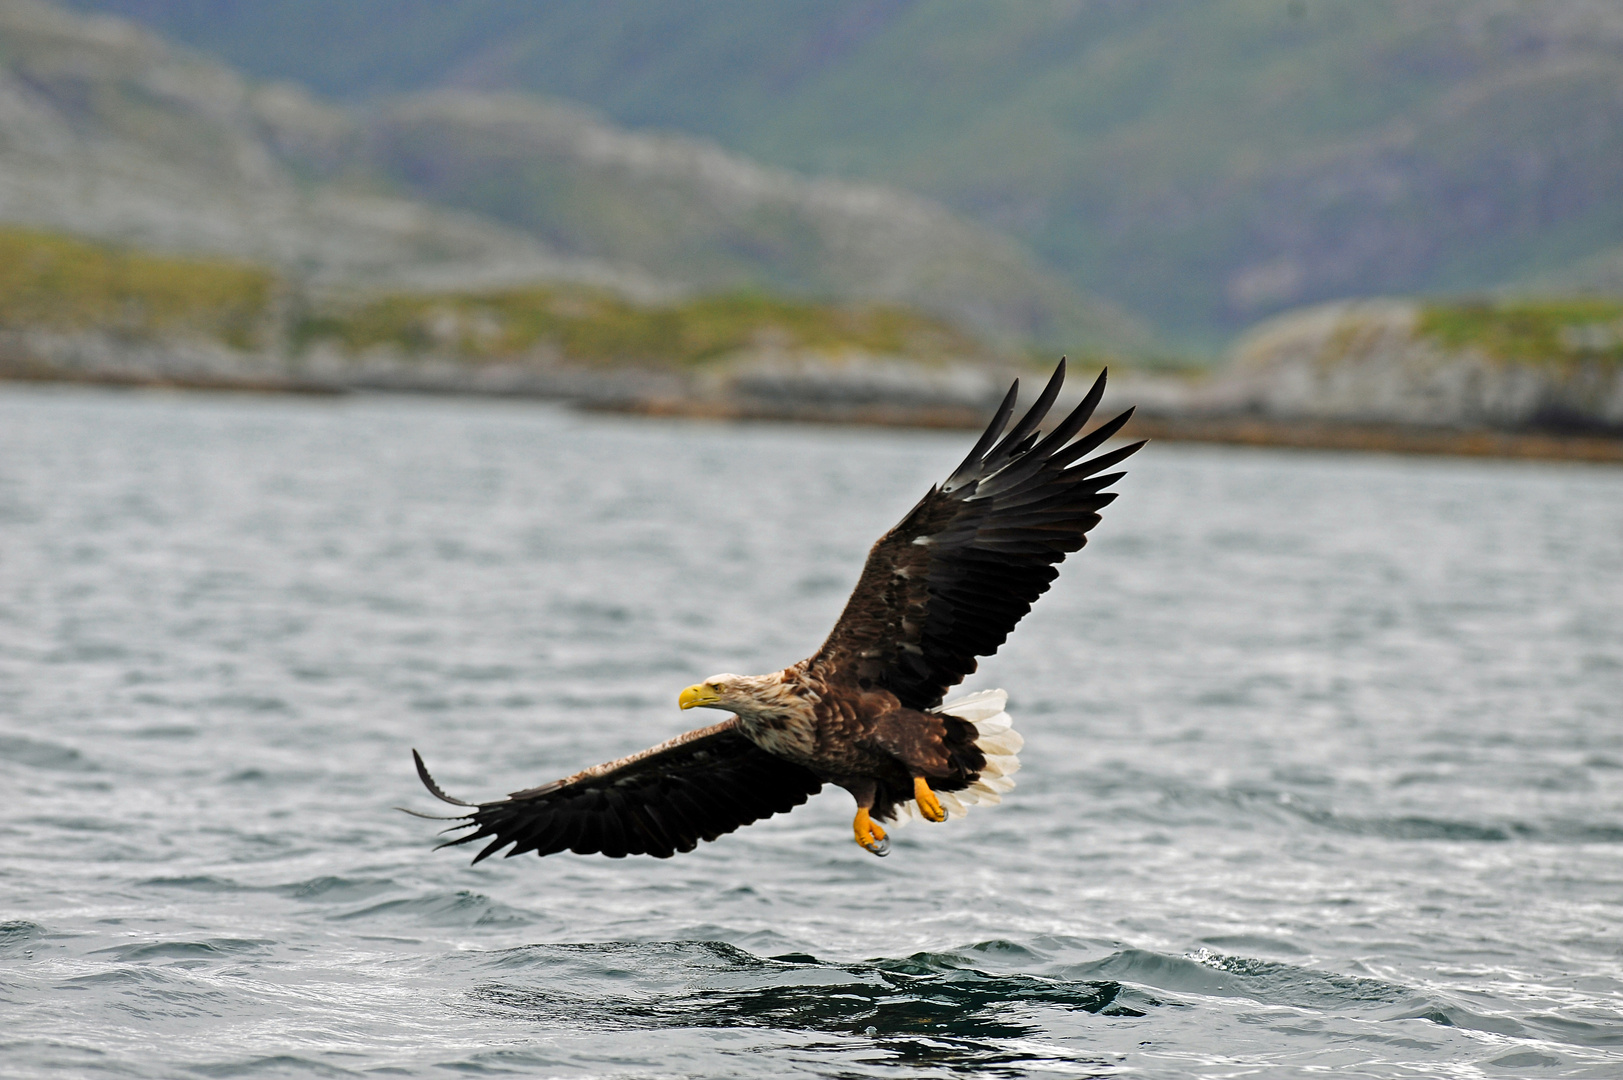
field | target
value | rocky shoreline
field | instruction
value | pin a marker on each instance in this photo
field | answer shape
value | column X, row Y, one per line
column 1222, row 430
column 1170, row 408
column 1380, row 438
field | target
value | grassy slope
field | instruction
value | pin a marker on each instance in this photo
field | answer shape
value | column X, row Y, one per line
column 1201, row 163
column 55, row 283
column 600, row 329
column 1548, row 331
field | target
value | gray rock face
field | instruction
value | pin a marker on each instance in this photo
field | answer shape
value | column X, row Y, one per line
column 1365, row 362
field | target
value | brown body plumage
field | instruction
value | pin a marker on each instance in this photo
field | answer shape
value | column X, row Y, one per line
column 864, row 712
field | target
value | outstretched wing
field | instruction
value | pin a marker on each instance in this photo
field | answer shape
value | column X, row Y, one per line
column 950, row 582
column 658, row 802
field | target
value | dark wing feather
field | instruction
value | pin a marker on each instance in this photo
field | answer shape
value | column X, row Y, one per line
column 950, row 582
column 663, row 800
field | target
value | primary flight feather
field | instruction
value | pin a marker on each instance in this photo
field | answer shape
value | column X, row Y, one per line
column 865, row 712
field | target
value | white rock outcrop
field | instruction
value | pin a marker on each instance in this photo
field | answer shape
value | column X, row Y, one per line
column 1367, row 362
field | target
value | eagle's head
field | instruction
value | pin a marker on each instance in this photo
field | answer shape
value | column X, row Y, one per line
column 745, row 695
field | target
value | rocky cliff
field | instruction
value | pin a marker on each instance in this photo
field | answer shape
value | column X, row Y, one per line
column 1541, row 364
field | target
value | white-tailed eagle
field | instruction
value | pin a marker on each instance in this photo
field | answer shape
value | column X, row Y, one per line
column 865, row 711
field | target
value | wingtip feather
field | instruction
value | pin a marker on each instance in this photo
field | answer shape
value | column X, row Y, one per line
column 999, row 421
column 1029, row 423
column 433, row 788
column 490, row 849
column 430, row 817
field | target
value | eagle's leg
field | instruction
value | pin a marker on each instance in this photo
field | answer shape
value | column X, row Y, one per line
column 929, row 805
column 869, row 834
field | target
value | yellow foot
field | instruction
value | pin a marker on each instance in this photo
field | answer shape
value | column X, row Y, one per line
column 869, row 834
column 929, row 805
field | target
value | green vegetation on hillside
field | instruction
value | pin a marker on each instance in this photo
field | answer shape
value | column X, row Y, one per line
column 51, row 282
column 56, row 283
column 1530, row 331
column 587, row 326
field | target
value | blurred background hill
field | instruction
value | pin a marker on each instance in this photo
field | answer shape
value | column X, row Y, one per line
column 1201, row 165
column 111, row 132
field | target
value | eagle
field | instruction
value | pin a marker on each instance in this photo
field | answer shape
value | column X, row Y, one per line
column 866, row 711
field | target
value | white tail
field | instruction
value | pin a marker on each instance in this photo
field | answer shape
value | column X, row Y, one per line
column 998, row 740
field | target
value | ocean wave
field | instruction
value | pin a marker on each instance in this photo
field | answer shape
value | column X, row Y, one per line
column 927, row 1008
column 332, row 889
column 1291, row 808
column 206, row 883
column 38, row 754
column 209, row 949
column 720, row 985
column 462, row 908
column 16, row 933
column 271, row 1065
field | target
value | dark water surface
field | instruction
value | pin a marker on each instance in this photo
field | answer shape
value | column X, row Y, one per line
column 1324, row 761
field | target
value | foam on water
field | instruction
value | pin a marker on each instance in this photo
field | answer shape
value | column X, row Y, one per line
column 1322, row 763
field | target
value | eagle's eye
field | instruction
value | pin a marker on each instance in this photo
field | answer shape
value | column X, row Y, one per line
column 718, row 687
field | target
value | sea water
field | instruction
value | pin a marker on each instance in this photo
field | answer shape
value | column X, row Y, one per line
column 1323, row 765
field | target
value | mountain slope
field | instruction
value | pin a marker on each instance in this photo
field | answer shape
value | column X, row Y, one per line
column 686, row 211
column 106, row 131
column 1202, row 164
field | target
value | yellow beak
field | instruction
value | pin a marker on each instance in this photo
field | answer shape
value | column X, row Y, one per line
column 696, row 696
